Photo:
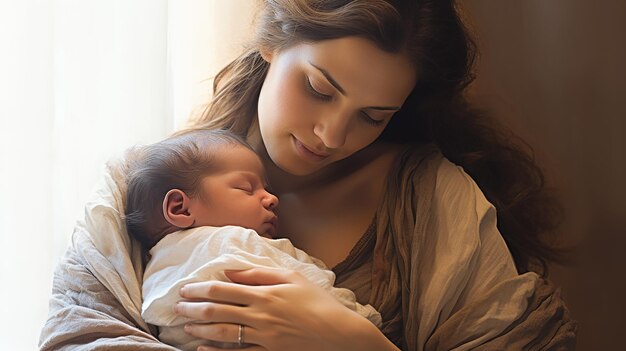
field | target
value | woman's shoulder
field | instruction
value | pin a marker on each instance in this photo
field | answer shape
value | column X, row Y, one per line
column 454, row 183
column 428, row 171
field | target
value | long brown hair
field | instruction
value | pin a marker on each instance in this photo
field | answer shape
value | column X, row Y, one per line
column 432, row 34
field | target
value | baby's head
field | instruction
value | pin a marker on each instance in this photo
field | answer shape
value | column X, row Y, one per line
column 199, row 178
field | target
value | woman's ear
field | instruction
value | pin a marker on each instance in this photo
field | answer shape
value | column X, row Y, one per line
column 266, row 54
column 176, row 209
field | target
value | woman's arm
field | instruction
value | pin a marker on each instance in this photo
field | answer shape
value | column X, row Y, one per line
column 281, row 310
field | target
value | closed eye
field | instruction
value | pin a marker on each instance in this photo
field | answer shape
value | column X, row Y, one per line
column 316, row 93
column 372, row 121
column 247, row 188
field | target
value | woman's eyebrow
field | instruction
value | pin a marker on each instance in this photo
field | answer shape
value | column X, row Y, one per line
column 334, row 83
column 330, row 78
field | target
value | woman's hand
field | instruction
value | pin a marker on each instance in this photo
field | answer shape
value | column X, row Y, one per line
column 280, row 310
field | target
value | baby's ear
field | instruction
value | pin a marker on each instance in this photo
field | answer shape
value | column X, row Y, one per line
column 176, row 209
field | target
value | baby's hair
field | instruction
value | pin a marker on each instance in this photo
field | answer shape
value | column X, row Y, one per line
column 178, row 162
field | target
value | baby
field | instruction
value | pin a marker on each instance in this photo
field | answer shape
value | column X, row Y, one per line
column 199, row 202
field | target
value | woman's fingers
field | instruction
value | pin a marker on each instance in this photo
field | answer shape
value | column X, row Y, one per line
column 217, row 291
column 210, row 312
column 263, row 276
column 275, row 305
column 222, row 332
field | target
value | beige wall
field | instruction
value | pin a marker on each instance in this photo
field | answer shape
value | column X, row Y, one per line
column 554, row 71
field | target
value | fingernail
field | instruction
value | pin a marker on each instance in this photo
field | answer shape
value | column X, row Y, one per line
column 176, row 308
column 182, row 290
column 188, row 328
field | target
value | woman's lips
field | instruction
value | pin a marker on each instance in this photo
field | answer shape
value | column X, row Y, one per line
column 307, row 153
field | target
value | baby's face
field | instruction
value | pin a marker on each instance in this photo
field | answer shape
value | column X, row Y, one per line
column 236, row 195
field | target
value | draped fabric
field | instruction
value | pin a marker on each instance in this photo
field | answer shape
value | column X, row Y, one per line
column 96, row 291
column 436, row 268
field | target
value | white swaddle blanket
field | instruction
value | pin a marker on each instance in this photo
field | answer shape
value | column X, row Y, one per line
column 203, row 254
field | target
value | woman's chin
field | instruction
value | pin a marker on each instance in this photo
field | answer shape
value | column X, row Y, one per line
column 297, row 170
column 295, row 166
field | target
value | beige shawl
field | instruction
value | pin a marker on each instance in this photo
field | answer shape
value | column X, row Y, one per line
column 436, row 268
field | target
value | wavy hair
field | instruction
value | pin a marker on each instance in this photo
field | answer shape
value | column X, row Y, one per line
column 434, row 37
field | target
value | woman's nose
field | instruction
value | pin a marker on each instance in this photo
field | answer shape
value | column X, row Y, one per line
column 332, row 130
column 269, row 201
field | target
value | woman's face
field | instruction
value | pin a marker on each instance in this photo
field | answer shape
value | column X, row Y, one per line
column 322, row 102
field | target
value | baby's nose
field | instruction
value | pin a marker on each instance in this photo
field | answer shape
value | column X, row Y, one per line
column 270, row 201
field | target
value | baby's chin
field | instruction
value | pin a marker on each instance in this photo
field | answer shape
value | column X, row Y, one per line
column 267, row 229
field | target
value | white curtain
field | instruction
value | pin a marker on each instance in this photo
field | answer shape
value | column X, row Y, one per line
column 80, row 81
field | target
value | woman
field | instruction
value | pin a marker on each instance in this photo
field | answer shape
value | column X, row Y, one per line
column 351, row 105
